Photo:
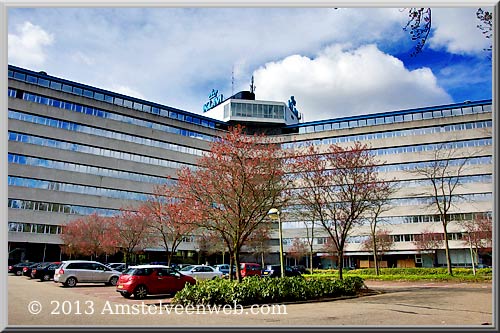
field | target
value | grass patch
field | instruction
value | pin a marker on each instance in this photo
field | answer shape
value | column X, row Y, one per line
column 412, row 274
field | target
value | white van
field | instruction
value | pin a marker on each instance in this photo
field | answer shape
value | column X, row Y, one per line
column 72, row 272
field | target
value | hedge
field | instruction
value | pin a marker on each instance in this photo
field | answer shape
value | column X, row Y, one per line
column 255, row 290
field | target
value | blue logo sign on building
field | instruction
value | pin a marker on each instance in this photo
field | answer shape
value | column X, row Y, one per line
column 213, row 100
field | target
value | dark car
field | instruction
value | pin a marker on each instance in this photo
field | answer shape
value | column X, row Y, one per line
column 45, row 272
column 275, row 271
column 17, row 269
column 27, row 269
column 144, row 280
column 117, row 266
column 301, row 268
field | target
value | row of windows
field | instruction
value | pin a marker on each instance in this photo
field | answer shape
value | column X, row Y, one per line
column 254, row 110
column 70, row 126
column 35, row 228
column 389, row 134
column 392, row 220
column 419, row 183
column 475, row 197
column 12, row 92
column 114, row 116
column 36, row 140
column 461, row 179
column 60, row 208
column 413, row 201
column 145, row 107
column 432, row 146
column 418, row 115
column 362, row 238
column 453, row 162
column 411, row 237
column 98, row 171
column 73, row 188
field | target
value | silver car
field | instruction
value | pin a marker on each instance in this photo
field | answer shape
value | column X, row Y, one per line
column 72, row 272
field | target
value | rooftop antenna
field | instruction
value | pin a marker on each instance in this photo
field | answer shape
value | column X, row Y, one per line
column 252, row 86
column 232, row 81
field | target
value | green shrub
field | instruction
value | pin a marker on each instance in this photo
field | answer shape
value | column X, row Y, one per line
column 254, row 290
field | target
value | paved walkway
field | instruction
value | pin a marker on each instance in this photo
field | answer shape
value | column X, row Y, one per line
column 398, row 304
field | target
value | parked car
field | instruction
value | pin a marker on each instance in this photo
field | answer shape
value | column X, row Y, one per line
column 301, row 268
column 45, row 272
column 250, row 269
column 27, row 269
column 17, row 269
column 201, row 272
column 117, row 266
column 72, row 272
column 144, row 280
column 275, row 271
column 223, row 268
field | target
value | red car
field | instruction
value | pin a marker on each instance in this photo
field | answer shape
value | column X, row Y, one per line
column 250, row 269
column 144, row 280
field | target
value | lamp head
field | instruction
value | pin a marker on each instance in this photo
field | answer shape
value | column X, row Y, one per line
column 273, row 213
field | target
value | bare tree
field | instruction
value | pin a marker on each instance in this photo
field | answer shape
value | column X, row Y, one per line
column 429, row 240
column 419, row 26
column 298, row 249
column 379, row 204
column 444, row 172
column 479, row 233
column 486, row 25
column 130, row 231
column 170, row 217
column 379, row 243
column 237, row 183
column 340, row 185
column 258, row 242
column 420, row 22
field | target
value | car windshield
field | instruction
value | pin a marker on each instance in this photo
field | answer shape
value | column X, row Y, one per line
column 187, row 268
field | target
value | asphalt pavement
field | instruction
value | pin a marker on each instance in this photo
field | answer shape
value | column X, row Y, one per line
column 32, row 303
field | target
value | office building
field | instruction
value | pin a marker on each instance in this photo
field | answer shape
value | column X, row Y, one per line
column 75, row 149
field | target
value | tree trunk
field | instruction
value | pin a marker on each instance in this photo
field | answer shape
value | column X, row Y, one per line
column 231, row 265
column 311, row 261
column 375, row 259
column 169, row 258
column 447, row 249
column 237, row 264
column 340, row 263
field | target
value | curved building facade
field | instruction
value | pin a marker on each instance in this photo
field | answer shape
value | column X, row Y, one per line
column 75, row 149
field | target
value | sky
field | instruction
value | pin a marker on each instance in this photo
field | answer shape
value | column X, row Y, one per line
column 335, row 62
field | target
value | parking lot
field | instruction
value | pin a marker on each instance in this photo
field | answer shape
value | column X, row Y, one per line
column 31, row 302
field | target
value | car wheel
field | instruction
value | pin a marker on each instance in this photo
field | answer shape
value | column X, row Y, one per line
column 113, row 281
column 140, row 292
column 19, row 273
column 125, row 294
column 46, row 277
column 70, row 282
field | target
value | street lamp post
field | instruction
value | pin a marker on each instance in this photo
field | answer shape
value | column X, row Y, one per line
column 274, row 214
column 471, row 252
column 198, row 255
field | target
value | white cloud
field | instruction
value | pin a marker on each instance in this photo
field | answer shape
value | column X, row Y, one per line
column 341, row 82
column 27, row 45
column 455, row 30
